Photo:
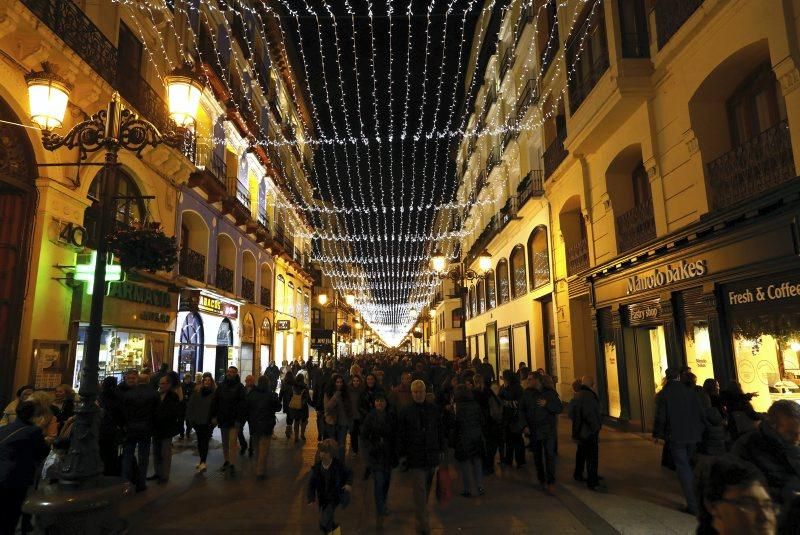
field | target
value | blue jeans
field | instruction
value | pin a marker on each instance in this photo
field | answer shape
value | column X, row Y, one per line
column 129, row 448
column 383, row 477
column 682, row 455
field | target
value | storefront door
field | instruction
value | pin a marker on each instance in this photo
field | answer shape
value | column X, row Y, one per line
column 224, row 344
column 190, row 358
column 646, row 361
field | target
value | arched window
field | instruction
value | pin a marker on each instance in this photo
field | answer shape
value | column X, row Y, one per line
column 519, row 284
column 128, row 200
column 279, row 294
column 491, row 293
column 539, row 258
column 503, row 286
column 481, row 297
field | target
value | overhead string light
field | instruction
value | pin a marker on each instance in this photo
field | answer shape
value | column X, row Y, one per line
column 387, row 299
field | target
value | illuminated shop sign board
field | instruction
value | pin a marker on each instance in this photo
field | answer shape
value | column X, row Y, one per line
column 756, row 292
column 213, row 305
column 646, row 312
column 666, row 275
column 194, row 301
column 85, row 272
column 137, row 293
column 283, row 325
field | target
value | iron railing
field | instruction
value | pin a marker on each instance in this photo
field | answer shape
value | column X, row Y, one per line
column 529, row 97
column 554, row 154
column 506, row 61
column 248, row 289
column 192, row 264
column 493, row 160
column 239, row 190
column 531, row 186
column 577, row 256
column 670, row 16
column 526, row 16
column 635, row 227
column 224, row 278
column 585, row 76
column 753, row 167
column 144, row 98
column 72, row 25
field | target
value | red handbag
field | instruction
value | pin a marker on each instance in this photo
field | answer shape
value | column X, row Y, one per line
column 444, row 486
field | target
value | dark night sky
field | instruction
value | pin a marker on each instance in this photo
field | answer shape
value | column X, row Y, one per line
column 389, row 55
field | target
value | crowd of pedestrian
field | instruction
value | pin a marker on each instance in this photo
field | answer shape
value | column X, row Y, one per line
column 414, row 413
column 739, row 470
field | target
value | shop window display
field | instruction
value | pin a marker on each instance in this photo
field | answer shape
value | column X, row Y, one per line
column 698, row 351
column 612, row 379
column 122, row 350
column 767, row 359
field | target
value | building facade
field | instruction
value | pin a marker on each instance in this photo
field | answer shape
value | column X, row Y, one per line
column 235, row 237
column 666, row 134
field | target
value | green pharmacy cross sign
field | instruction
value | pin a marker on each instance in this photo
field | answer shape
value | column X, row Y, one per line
column 85, row 272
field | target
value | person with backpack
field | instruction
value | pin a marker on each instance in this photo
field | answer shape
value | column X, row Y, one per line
column 297, row 409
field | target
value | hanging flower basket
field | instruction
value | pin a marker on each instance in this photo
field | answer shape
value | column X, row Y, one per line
column 144, row 247
column 344, row 329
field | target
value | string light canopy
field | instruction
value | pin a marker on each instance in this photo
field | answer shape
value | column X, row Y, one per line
column 390, row 91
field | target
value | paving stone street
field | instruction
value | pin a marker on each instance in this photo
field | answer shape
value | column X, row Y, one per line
column 642, row 498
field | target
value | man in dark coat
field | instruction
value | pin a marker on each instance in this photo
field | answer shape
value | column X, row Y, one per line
column 378, row 436
column 138, row 409
column 468, row 439
column 274, row 373
column 166, row 424
column 229, row 408
column 22, row 448
column 774, row 448
column 586, row 423
column 538, row 408
column 262, row 404
column 421, row 442
column 680, row 421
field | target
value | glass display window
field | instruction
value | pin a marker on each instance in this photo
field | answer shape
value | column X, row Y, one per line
column 698, row 351
column 768, row 365
column 504, row 349
column 122, row 350
column 612, row 379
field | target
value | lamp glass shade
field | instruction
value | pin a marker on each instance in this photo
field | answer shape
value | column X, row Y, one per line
column 350, row 299
column 48, row 99
column 432, row 314
column 323, row 299
column 438, row 263
column 484, row 262
column 183, row 98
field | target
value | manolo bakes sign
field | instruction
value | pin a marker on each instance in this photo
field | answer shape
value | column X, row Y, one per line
column 666, row 275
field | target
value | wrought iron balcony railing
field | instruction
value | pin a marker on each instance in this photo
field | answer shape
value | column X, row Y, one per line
column 554, row 154
column 143, row 98
column 239, row 190
column 528, row 97
column 531, row 186
column 526, row 17
column 549, row 54
column 753, row 167
column 577, row 256
column 248, row 289
column 192, row 264
column 635, row 227
column 493, row 160
column 70, row 23
column 506, row 61
column 670, row 16
column 588, row 68
column 224, row 278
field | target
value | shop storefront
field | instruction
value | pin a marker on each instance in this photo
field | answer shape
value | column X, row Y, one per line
column 721, row 297
column 138, row 329
column 265, row 343
column 209, row 334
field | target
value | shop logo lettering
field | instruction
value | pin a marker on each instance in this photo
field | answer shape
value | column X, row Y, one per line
column 139, row 294
column 639, row 314
column 667, row 275
column 773, row 292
